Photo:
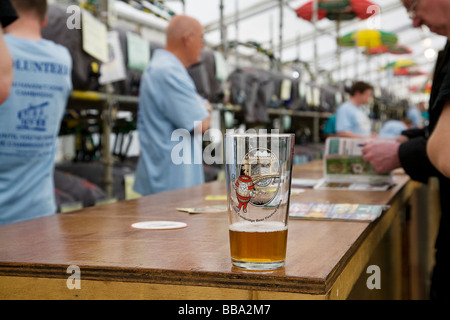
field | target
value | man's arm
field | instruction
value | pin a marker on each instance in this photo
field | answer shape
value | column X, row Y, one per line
column 411, row 155
column 348, row 134
column 207, row 121
column 438, row 146
column 382, row 155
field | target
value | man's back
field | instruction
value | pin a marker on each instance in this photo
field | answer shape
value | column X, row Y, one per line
column 168, row 102
column 392, row 129
column 350, row 118
column 29, row 124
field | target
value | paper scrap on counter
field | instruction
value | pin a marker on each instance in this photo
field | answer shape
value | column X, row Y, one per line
column 336, row 211
column 159, row 225
column 296, row 191
column 304, row 183
column 207, row 209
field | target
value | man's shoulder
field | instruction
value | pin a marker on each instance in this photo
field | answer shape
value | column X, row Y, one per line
column 345, row 107
column 57, row 50
column 41, row 47
column 164, row 59
column 165, row 67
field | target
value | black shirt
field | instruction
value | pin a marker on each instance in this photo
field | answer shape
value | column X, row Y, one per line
column 7, row 13
column 413, row 153
column 415, row 162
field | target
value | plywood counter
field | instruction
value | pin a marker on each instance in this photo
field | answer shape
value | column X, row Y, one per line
column 325, row 259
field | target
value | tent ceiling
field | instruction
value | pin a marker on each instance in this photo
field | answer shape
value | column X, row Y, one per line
column 262, row 20
column 259, row 20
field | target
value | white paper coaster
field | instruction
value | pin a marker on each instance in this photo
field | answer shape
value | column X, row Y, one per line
column 159, row 225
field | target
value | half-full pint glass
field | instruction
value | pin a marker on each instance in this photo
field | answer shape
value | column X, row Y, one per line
column 258, row 170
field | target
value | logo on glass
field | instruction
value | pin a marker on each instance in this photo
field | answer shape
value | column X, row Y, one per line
column 258, row 180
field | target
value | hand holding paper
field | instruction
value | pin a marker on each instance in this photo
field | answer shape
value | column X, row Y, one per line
column 382, row 155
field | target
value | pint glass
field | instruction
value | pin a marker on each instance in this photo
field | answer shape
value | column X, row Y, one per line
column 258, row 171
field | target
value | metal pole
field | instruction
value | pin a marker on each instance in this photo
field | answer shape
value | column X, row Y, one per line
column 281, row 34
column 106, row 158
column 236, row 25
column 315, row 11
column 339, row 51
column 223, row 36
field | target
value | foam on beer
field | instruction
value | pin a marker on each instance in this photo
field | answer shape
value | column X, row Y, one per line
column 247, row 226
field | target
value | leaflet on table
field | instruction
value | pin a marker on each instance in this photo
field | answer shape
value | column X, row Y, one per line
column 345, row 169
column 336, row 211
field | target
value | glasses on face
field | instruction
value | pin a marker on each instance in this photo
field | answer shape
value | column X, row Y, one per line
column 412, row 9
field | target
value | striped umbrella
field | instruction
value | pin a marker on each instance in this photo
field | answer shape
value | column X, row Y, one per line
column 400, row 64
column 369, row 38
column 395, row 49
column 336, row 10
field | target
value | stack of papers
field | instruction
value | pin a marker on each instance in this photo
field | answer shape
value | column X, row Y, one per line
column 340, row 211
column 345, row 169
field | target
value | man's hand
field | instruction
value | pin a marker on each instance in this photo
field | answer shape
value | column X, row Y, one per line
column 382, row 155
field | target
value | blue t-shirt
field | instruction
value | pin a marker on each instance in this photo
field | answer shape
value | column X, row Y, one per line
column 169, row 109
column 392, row 129
column 350, row 118
column 415, row 116
column 29, row 125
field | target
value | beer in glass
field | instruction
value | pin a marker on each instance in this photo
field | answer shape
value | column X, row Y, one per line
column 258, row 171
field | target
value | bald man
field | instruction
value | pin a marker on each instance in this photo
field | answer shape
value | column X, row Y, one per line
column 171, row 114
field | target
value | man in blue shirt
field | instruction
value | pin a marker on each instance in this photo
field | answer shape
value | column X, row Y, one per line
column 393, row 128
column 172, row 116
column 351, row 121
column 414, row 114
column 31, row 115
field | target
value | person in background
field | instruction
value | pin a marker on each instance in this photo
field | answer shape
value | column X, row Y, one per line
column 351, row 121
column 7, row 16
column 329, row 129
column 425, row 114
column 410, row 151
column 169, row 109
column 393, row 128
column 414, row 114
column 30, row 117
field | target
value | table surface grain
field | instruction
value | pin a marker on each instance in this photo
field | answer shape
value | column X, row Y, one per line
column 101, row 241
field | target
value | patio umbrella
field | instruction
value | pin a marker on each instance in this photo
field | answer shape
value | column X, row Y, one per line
column 408, row 72
column 421, row 88
column 399, row 64
column 336, row 10
column 395, row 49
column 369, row 38
column 306, row 12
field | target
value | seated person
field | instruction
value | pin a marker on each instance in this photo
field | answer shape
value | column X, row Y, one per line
column 394, row 128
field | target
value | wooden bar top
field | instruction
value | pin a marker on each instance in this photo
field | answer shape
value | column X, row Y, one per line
column 101, row 241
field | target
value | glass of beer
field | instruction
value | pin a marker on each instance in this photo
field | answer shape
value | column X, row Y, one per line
column 258, row 172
